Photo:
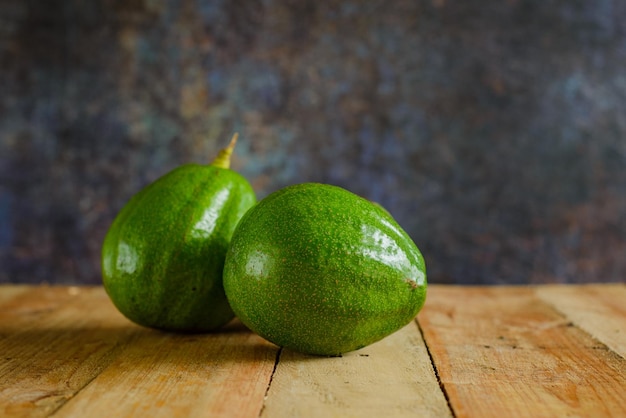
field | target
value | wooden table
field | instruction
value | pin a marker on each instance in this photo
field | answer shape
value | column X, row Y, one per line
column 548, row 351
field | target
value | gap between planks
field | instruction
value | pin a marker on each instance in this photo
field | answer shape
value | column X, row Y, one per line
column 507, row 351
column 436, row 371
column 66, row 371
column 122, row 369
column 393, row 378
column 269, row 384
column 599, row 310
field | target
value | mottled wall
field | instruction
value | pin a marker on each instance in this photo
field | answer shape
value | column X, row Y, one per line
column 494, row 131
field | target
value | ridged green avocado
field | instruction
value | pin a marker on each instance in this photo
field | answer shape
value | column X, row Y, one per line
column 163, row 256
column 320, row 270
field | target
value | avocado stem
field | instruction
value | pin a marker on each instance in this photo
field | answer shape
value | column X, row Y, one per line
column 223, row 158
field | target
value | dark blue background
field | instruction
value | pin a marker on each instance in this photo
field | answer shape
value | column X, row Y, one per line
column 494, row 131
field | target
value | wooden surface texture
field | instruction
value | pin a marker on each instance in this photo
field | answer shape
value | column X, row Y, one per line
column 543, row 351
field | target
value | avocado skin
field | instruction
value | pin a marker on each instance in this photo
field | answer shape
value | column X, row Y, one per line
column 163, row 256
column 320, row 270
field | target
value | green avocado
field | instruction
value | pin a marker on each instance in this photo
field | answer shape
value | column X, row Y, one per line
column 163, row 255
column 320, row 270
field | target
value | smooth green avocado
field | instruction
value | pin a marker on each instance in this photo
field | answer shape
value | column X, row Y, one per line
column 163, row 256
column 320, row 270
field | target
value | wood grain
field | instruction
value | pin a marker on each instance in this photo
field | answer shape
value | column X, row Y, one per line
column 498, row 351
column 504, row 352
column 166, row 375
column 391, row 378
column 9, row 292
column 600, row 310
column 54, row 341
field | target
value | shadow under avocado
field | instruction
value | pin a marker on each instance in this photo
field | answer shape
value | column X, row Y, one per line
column 37, row 348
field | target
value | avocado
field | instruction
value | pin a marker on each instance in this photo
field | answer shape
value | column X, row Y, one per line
column 163, row 255
column 320, row 270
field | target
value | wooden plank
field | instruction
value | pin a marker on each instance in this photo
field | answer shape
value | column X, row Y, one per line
column 224, row 374
column 7, row 292
column 598, row 309
column 391, row 378
column 53, row 341
column 502, row 351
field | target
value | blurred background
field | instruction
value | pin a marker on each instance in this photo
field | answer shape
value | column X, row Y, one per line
column 493, row 131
